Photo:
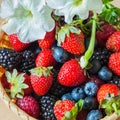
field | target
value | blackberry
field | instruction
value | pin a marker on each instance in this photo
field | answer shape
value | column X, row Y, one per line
column 9, row 59
column 115, row 80
column 47, row 103
column 28, row 61
column 57, row 89
column 101, row 54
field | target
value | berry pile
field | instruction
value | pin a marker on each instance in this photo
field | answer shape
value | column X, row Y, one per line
column 47, row 78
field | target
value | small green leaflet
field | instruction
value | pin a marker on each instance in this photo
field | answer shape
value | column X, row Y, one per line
column 106, row 1
column 65, row 30
column 111, row 14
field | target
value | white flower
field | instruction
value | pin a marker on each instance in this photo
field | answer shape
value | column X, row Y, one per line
column 70, row 8
column 29, row 19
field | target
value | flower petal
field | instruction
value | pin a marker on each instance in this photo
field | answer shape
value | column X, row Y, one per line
column 48, row 22
column 11, row 27
column 56, row 4
column 95, row 5
column 6, row 9
column 33, row 4
column 31, row 33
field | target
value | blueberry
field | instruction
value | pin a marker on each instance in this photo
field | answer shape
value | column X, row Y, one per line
column 96, row 65
column 90, row 88
column 105, row 74
column 78, row 93
column 94, row 115
column 60, row 54
column 67, row 96
column 90, row 103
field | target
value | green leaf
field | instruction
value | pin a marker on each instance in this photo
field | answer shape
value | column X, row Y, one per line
column 111, row 14
column 65, row 31
column 39, row 71
column 8, row 76
column 106, row 1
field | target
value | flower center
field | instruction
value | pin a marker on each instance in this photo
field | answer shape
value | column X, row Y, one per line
column 23, row 13
column 77, row 2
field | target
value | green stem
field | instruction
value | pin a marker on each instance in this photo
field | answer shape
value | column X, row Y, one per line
column 90, row 50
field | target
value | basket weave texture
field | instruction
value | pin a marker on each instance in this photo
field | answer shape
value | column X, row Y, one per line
column 12, row 106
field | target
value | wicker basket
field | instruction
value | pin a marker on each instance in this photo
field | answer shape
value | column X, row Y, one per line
column 5, row 98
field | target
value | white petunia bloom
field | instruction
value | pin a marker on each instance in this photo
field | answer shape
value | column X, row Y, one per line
column 29, row 19
column 70, row 8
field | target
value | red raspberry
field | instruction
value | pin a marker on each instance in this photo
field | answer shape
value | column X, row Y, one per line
column 103, row 36
column 29, row 105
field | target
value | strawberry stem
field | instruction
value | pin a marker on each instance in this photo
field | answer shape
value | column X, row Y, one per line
column 85, row 59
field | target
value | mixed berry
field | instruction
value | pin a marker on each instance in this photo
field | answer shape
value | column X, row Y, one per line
column 48, row 80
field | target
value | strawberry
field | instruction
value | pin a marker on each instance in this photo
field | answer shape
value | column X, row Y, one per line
column 61, row 107
column 27, row 82
column 41, row 80
column 19, row 83
column 48, row 40
column 74, row 43
column 107, row 90
column 45, row 58
column 30, row 105
column 113, row 42
column 114, row 62
column 71, row 74
column 102, row 36
column 16, row 43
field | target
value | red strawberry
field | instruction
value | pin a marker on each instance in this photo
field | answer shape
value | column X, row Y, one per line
column 41, row 80
column 107, row 90
column 74, row 43
column 16, row 43
column 48, row 41
column 61, row 107
column 30, row 105
column 71, row 74
column 19, row 83
column 114, row 63
column 113, row 42
column 102, row 36
column 45, row 58
column 27, row 82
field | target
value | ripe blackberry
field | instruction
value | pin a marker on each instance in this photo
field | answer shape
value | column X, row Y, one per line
column 57, row 89
column 101, row 54
column 47, row 103
column 9, row 59
column 115, row 80
column 28, row 61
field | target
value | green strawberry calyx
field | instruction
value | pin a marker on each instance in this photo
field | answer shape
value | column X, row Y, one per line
column 65, row 31
column 39, row 71
column 17, row 85
column 111, row 105
column 72, row 114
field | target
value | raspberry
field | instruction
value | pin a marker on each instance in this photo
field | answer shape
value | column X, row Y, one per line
column 29, row 105
column 103, row 36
